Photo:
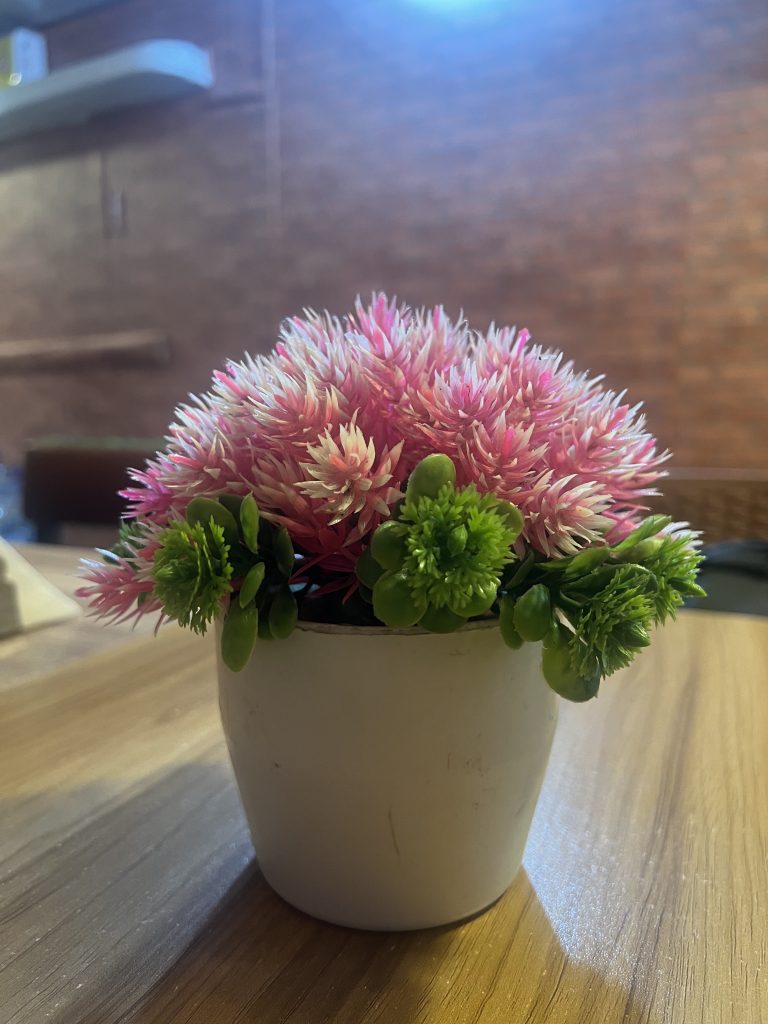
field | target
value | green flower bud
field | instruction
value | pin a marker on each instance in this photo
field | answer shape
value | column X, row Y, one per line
column 249, row 521
column 457, row 540
column 394, row 603
column 429, row 476
column 561, row 677
column 509, row 634
column 251, row 583
column 283, row 614
column 441, row 620
column 203, row 510
column 388, row 545
column 533, row 613
column 238, row 635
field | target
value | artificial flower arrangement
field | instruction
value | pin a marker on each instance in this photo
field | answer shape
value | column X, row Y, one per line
column 396, row 469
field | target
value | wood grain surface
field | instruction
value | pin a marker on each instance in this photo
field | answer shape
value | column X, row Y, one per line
column 129, row 891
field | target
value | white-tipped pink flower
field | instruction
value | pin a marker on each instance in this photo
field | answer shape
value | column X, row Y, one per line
column 325, row 429
column 345, row 477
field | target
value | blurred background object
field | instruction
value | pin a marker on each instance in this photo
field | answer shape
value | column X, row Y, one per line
column 74, row 482
column 595, row 171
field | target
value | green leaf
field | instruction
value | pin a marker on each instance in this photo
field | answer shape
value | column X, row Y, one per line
column 687, row 587
column 521, row 572
column 587, row 560
column 394, row 604
column 368, row 569
column 648, row 528
column 388, row 546
column 203, row 510
column 429, row 476
column 477, row 603
column 264, row 632
column 509, row 634
column 249, row 521
column 238, row 636
column 512, row 516
column 283, row 614
column 643, row 550
column 533, row 613
column 283, row 550
column 232, row 503
column 564, row 680
column 441, row 620
column 251, row 583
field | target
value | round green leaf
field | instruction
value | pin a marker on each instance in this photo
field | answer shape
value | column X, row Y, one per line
column 511, row 515
column 283, row 614
column 249, row 522
column 533, row 613
column 388, row 545
column 430, row 475
column 265, row 633
column 441, row 620
column 476, row 604
column 394, row 604
column 231, row 503
column 556, row 666
column 203, row 510
column 238, row 635
column 509, row 634
column 251, row 583
column 368, row 569
column 284, row 553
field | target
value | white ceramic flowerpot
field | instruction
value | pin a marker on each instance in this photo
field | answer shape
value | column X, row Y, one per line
column 389, row 777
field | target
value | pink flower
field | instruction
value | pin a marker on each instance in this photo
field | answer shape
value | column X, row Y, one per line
column 346, row 478
column 325, row 429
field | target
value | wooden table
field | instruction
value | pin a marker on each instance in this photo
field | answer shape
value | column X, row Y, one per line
column 129, row 890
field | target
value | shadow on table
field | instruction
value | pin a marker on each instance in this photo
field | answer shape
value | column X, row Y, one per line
column 259, row 960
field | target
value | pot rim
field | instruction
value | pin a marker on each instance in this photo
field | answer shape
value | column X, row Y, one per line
column 339, row 629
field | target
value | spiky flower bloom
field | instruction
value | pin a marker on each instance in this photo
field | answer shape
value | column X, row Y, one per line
column 325, row 430
column 347, row 479
column 192, row 573
column 457, row 546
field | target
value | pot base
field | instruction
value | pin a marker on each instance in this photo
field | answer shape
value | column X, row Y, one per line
column 365, row 924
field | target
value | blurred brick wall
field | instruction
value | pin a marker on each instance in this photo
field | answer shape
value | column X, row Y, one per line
column 596, row 171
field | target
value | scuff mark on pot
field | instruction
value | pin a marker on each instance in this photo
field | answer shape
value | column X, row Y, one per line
column 392, row 832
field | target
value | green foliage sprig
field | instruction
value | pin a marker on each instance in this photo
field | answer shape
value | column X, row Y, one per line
column 448, row 554
column 223, row 557
column 439, row 562
column 600, row 604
